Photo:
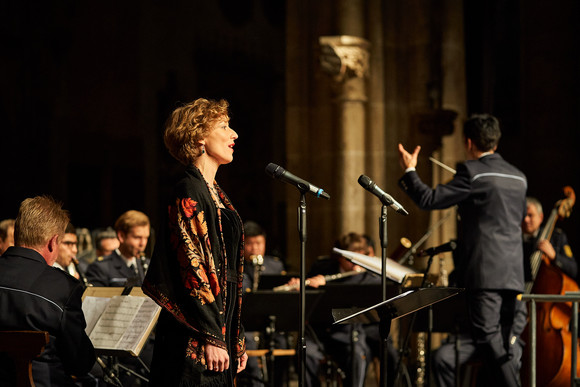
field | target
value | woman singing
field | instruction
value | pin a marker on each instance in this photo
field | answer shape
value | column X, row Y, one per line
column 196, row 270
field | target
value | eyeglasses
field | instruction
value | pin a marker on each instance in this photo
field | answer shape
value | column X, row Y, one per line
column 69, row 243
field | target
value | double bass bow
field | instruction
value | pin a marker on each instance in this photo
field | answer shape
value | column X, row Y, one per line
column 553, row 336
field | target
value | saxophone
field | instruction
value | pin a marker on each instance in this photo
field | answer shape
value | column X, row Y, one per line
column 421, row 359
column 258, row 262
column 422, row 336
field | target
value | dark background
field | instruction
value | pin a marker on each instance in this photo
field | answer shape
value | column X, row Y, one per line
column 86, row 86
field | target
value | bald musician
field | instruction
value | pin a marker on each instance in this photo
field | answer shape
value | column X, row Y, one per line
column 491, row 197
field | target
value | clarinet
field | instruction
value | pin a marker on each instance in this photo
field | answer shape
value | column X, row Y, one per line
column 84, row 280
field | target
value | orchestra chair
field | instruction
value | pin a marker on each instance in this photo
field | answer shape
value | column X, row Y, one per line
column 23, row 347
column 470, row 372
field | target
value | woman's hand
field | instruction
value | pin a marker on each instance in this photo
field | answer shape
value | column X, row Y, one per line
column 242, row 361
column 216, row 358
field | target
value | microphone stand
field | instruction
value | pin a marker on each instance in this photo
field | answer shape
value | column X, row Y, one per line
column 430, row 230
column 383, row 330
column 302, row 235
column 429, row 325
column 110, row 375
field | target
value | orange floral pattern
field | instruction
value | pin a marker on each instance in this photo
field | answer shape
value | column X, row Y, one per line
column 189, row 242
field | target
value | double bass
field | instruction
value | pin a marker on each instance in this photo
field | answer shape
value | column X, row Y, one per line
column 554, row 338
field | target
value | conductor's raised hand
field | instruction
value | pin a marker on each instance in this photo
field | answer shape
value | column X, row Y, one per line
column 406, row 159
column 216, row 358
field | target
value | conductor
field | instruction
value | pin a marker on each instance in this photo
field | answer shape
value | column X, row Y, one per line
column 491, row 197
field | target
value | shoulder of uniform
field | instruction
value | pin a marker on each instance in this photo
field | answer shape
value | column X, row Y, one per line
column 104, row 258
column 63, row 275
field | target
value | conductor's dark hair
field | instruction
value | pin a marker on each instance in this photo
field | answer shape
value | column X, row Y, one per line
column 483, row 131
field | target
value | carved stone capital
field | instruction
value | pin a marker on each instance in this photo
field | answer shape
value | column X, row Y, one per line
column 344, row 56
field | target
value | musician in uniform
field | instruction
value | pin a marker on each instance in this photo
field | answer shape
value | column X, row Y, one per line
column 126, row 266
column 254, row 249
column 335, row 343
column 67, row 251
column 257, row 263
column 37, row 297
column 556, row 249
column 491, row 197
column 6, row 234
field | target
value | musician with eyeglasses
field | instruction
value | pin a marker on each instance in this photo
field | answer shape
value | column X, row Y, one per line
column 557, row 249
column 67, row 251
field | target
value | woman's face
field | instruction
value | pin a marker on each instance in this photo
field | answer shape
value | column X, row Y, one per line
column 219, row 143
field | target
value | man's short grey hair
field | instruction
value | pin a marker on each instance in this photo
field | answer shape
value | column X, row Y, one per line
column 535, row 202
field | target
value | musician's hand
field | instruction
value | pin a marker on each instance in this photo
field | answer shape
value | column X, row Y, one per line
column 216, row 358
column 294, row 281
column 242, row 361
column 316, row 281
column 546, row 247
column 406, row 159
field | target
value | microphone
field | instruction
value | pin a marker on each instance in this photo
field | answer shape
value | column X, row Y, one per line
column 449, row 246
column 278, row 172
column 387, row 199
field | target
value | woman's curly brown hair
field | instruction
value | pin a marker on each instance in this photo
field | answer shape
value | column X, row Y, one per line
column 190, row 123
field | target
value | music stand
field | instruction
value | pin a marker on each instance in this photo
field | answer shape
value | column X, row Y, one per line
column 269, row 311
column 392, row 309
column 270, row 281
column 347, row 295
column 260, row 305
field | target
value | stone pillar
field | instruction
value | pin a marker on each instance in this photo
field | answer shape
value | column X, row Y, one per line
column 376, row 161
column 346, row 59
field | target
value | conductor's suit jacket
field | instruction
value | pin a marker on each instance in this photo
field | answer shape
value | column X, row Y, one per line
column 491, row 197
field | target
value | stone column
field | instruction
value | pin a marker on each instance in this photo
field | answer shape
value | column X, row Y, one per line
column 346, row 59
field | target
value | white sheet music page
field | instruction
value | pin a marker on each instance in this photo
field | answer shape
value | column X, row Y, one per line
column 115, row 321
column 132, row 338
column 93, row 308
column 394, row 270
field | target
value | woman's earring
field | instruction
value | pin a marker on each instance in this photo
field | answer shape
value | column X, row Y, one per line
column 202, row 149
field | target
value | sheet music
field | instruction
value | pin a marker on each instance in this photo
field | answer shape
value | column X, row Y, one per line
column 93, row 308
column 140, row 324
column 115, row 320
column 394, row 270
